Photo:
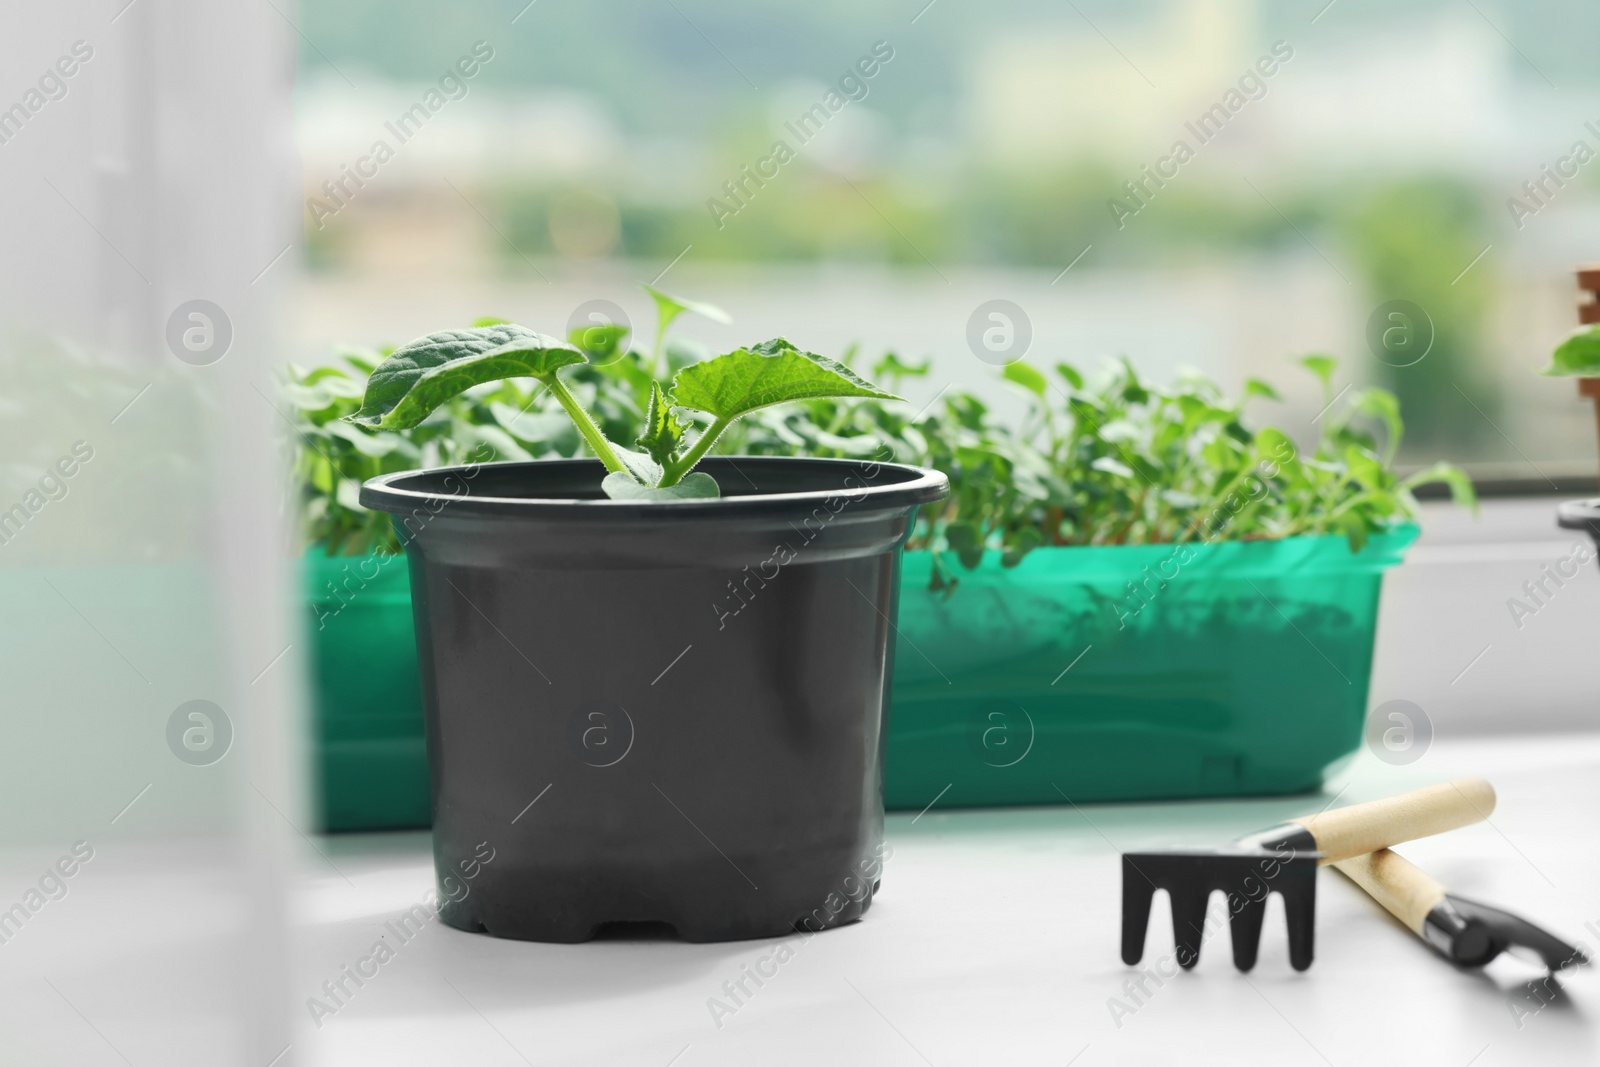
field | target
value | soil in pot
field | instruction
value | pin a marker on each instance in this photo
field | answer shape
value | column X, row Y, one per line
column 662, row 712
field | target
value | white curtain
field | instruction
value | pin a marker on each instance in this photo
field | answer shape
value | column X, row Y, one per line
column 151, row 797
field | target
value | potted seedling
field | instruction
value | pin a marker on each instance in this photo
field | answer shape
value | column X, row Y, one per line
column 633, row 750
column 367, row 747
column 1578, row 356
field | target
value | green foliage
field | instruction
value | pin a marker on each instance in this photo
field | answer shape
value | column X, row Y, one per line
column 414, row 380
column 1100, row 459
column 773, row 372
column 500, row 421
column 1120, row 460
column 1578, row 356
column 1413, row 240
column 696, row 486
column 663, row 429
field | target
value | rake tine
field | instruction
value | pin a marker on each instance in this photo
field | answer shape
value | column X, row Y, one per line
column 1244, row 925
column 1300, row 906
column 1188, row 924
column 1137, row 893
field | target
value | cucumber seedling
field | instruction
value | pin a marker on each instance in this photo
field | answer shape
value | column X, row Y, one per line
column 417, row 378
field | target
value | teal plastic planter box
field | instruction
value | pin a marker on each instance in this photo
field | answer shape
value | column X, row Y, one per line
column 369, row 759
column 1138, row 672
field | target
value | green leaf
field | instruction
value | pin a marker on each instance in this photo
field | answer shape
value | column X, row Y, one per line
column 1382, row 404
column 1111, row 466
column 373, row 445
column 309, row 398
column 549, row 428
column 601, row 343
column 643, row 469
column 891, row 366
column 1276, row 447
column 489, row 320
column 1070, row 375
column 1577, row 356
column 1355, row 531
column 1322, row 366
column 1462, row 491
column 682, row 351
column 966, row 542
column 1364, row 467
column 418, row 377
column 1025, row 540
column 696, row 486
column 1027, row 377
column 1257, row 387
column 663, row 430
column 670, row 307
column 773, row 372
column 941, row 582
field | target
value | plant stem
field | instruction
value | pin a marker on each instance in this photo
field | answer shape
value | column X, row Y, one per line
column 655, row 351
column 676, row 469
column 591, row 433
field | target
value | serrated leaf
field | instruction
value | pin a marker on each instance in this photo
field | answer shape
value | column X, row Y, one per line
column 683, row 351
column 773, row 372
column 695, row 486
column 663, row 430
column 418, row 377
column 1577, row 356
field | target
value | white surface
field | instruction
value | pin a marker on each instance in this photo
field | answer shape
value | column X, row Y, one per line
column 1449, row 642
column 995, row 940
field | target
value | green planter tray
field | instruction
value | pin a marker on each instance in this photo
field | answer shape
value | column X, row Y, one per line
column 1136, row 672
column 369, row 757
column 1131, row 673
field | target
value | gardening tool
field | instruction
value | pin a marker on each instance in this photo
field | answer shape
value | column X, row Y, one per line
column 1463, row 931
column 1283, row 859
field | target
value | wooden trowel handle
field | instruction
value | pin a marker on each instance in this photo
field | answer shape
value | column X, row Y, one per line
column 1404, row 890
column 1362, row 828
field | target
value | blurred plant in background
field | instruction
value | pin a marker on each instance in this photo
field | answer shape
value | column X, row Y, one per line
column 1414, row 241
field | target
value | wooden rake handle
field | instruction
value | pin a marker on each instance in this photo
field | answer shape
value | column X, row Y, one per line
column 1405, row 890
column 1344, row 833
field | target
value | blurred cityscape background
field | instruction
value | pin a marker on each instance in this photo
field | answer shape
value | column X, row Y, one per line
column 1356, row 152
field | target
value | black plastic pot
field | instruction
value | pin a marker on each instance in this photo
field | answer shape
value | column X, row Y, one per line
column 1580, row 515
column 666, row 712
